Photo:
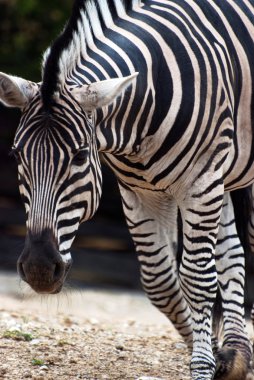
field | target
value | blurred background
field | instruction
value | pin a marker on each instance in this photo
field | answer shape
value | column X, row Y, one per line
column 103, row 252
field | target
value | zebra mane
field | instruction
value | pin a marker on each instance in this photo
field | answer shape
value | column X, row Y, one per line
column 88, row 20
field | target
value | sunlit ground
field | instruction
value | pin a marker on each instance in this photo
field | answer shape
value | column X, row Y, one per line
column 106, row 302
column 89, row 334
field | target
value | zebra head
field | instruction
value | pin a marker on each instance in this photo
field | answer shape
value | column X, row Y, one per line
column 58, row 168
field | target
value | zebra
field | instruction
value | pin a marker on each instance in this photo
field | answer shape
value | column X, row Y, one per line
column 245, row 213
column 251, row 222
column 163, row 89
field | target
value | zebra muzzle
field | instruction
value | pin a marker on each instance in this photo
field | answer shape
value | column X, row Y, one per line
column 41, row 265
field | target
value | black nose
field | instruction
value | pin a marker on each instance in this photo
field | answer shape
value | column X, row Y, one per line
column 54, row 272
column 41, row 266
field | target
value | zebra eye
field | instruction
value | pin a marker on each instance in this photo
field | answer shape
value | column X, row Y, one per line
column 80, row 157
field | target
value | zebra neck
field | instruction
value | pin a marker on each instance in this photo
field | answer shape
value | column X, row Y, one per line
column 88, row 22
column 111, row 129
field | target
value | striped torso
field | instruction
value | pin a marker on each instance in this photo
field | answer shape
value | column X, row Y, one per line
column 193, row 99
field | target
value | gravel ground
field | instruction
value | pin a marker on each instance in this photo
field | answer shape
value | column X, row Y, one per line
column 89, row 334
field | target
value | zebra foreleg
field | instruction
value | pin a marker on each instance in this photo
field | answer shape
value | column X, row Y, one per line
column 200, row 214
column 152, row 219
column 233, row 360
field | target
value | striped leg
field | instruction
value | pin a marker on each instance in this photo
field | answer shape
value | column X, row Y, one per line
column 152, row 219
column 235, row 355
column 201, row 214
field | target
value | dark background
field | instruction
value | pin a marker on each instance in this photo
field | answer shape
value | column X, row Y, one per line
column 103, row 252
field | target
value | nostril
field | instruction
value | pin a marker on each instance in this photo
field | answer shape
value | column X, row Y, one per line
column 58, row 271
column 21, row 271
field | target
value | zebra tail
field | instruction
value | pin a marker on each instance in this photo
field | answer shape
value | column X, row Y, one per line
column 242, row 202
column 179, row 251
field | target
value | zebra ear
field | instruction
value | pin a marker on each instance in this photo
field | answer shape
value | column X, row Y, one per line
column 15, row 91
column 99, row 94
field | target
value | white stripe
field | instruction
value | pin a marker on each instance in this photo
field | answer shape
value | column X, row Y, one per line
column 66, row 258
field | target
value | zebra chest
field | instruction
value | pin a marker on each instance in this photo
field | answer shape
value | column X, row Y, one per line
column 137, row 173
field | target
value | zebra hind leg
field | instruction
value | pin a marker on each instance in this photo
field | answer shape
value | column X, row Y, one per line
column 233, row 360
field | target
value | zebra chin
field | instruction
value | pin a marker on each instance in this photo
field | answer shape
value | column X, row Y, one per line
column 41, row 265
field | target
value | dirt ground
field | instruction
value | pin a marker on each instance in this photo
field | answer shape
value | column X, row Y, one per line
column 88, row 334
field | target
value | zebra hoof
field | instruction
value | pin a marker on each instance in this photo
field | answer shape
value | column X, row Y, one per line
column 250, row 376
column 231, row 364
